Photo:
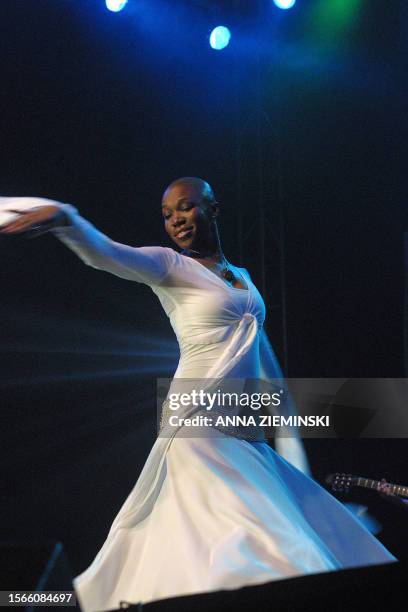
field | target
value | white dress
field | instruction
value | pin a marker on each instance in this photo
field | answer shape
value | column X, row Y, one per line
column 215, row 512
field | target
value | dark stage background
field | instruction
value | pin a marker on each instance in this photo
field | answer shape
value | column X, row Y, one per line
column 103, row 110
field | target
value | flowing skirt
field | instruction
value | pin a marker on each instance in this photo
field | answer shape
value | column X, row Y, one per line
column 217, row 513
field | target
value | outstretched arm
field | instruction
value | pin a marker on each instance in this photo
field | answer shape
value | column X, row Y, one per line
column 142, row 264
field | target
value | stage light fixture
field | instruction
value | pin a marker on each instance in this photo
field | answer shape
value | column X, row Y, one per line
column 220, row 37
column 115, row 5
column 284, row 4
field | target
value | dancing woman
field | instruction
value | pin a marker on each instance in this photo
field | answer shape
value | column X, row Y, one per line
column 207, row 512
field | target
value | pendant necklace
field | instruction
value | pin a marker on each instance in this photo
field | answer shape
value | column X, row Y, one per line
column 226, row 271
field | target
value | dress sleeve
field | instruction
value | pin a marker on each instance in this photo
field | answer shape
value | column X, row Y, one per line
column 149, row 265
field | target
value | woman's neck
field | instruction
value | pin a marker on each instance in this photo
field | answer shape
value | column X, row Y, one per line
column 214, row 254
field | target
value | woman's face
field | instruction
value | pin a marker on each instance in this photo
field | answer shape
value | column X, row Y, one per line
column 187, row 217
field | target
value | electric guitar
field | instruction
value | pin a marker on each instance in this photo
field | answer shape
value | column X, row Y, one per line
column 343, row 482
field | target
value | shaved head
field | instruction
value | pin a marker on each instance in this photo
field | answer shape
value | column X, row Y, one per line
column 200, row 187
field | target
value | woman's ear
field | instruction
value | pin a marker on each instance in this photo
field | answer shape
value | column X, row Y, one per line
column 215, row 209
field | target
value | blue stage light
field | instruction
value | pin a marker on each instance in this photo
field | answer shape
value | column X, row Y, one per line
column 284, row 4
column 220, row 37
column 115, row 5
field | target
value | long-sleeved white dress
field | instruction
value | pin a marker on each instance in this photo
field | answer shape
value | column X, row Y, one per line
column 210, row 512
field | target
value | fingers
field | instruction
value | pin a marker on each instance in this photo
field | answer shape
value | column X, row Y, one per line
column 31, row 219
column 12, row 228
column 19, row 225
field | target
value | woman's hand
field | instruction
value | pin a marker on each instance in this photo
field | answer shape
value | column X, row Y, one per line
column 384, row 487
column 38, row 218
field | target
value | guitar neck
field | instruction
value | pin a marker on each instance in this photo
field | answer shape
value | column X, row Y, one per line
column 374, row 484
